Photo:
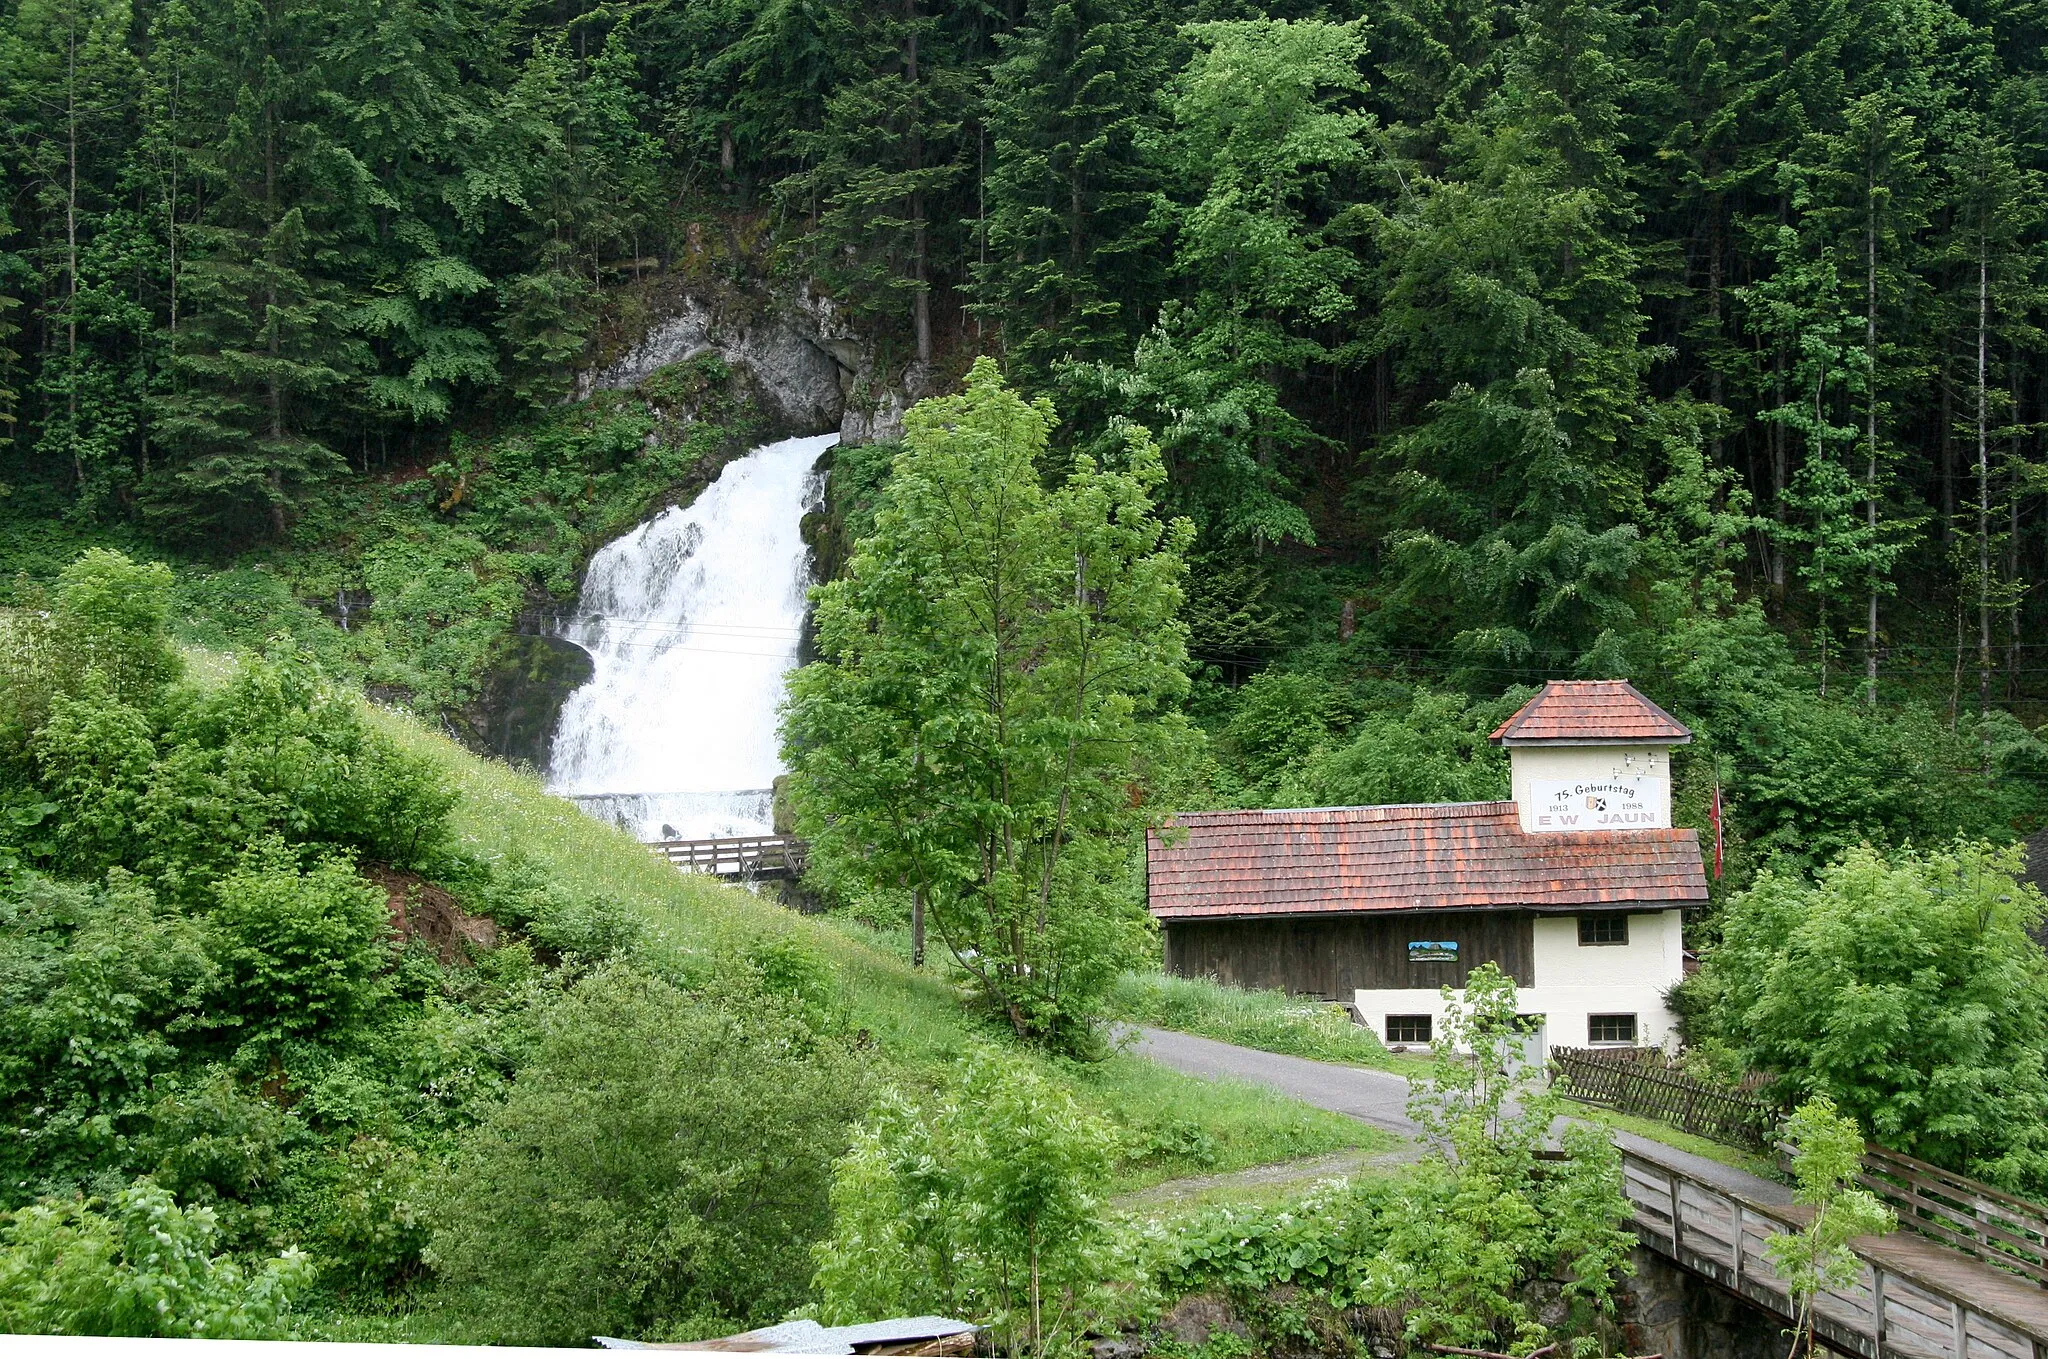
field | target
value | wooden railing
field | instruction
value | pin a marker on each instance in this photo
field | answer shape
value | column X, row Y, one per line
column 751, row 856
column 1622, row 1079
column 1902, row 1304
column 1941, row 1205
column 1961, row 1212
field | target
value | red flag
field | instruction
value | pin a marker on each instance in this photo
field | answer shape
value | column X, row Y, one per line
column 1714, row 815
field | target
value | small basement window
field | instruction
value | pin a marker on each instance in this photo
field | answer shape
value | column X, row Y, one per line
column 1408, row 1028
column 1603, row 929
column 1610, row 1029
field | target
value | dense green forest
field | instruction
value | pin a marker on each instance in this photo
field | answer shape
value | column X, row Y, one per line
column 1389, row 361
column 1482, row 342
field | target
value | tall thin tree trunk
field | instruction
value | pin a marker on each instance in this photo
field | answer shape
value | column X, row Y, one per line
column 1948, row 446
column 1983, row 481
column 1870, row 429
column 980, row 217
column 274, row 383
column 1715, row 392
column 1779, row 456
column 71, row 248
column 917, row 926
column 2013, row 491
column 920, row 297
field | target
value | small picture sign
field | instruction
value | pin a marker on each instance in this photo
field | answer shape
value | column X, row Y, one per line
column 1440, row 951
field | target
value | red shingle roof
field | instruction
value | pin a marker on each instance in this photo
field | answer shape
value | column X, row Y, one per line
column 1571, row 711
column 1420, row 858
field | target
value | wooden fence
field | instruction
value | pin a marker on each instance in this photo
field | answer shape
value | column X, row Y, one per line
column 1941, row 1205
column 1961, row 1212
column 1621, row 1079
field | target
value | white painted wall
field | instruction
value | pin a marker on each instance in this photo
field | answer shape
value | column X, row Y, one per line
column 1579, row 788
column 1574, row 980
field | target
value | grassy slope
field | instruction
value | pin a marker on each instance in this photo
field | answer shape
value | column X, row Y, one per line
column 1270, row 1021
column 1185, row 1126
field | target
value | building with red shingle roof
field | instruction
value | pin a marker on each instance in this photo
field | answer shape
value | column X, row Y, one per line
column 1575, row 886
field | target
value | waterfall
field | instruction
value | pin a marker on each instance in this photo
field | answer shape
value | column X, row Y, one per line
column 692, row 622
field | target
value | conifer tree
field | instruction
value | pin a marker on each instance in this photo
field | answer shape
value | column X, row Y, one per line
column 1064, row 261
column 879, row 167
column 413, row 241
column 1511, row 292
column 267, row 348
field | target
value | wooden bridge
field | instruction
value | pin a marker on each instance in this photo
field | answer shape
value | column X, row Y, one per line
column 1913, row 1297
column 738, row 856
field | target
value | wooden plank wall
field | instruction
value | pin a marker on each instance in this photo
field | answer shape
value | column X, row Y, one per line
column 1333, row 957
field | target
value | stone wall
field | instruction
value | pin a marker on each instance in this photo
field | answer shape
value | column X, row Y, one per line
column 1673, row 1312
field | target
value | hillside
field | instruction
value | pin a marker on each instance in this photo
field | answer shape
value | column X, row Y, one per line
column 331, row 999
column 1501, row 343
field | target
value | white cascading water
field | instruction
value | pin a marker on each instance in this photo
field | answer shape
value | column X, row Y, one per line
column 692, row 622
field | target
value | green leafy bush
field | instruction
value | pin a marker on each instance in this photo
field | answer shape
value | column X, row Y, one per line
column 210, row 1139
column 656, row 1170
column 983, row 1203
column 1436, row 751
column 1813, row 777
column 301, row 950
column 137, row 1265
column 98, row 985
column 105, row 619
column 1907, row 989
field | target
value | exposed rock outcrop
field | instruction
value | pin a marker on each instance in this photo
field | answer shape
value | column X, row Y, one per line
column 813, row 370
column 795, row 375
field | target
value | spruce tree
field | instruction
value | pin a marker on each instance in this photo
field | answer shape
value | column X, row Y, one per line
column 1065, row 264
column 879, row 168
column 267, row 348
column 1511, row 295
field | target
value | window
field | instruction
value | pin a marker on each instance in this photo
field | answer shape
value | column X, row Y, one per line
column 1603, row 929
column 1610, row 1029
column 1408, row 1028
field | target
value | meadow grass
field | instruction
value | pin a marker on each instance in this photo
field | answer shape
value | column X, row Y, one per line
column 1271, row 1021
column 919, row 1021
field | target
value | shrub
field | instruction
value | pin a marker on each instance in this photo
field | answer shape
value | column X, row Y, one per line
column 212, row 1140
column 106, row 618
column 110, row 618
column 139, row 1265
column 561, row 922
column 282, row 751
column 1436, row 751
column 659, row 1168
column 94, row 754
column 1814, row 777
column 1906, row 989
column 95, row 982
column 984, row 1203
column 375, row 1228
column 300, row 950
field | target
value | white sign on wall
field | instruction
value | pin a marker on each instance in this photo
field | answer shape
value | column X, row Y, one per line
column 1637, row 801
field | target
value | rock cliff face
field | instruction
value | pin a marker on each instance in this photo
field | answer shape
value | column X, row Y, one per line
column 812, row 370
column 796, row 377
